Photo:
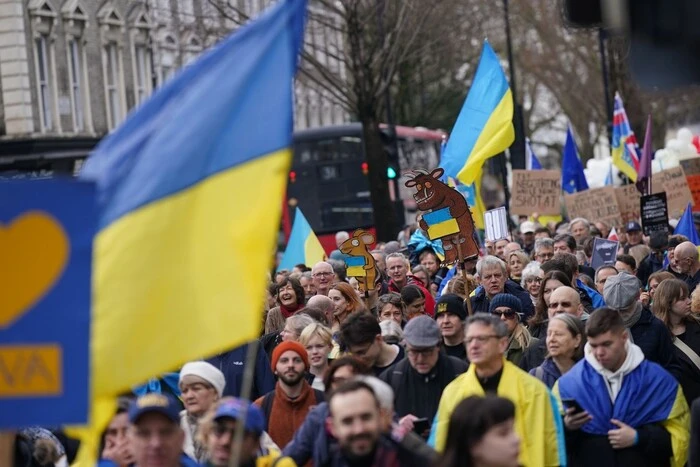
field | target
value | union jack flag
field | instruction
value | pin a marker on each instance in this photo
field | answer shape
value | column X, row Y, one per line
column 625, row 150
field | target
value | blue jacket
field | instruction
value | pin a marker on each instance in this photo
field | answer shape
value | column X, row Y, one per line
column 311, row 441
column 480, row 303
column 231, row 364
column 596, row 297
column 548, row 371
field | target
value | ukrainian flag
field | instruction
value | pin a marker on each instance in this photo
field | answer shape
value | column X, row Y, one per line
column 303, row 246
column 189, row 191
column 355, row 266
column 440, row 223
column 484, row 126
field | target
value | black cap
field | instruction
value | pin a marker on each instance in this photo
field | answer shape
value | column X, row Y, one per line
column 451, row 303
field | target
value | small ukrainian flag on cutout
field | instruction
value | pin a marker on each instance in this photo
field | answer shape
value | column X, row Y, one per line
column 355, row 266
column 440, row 223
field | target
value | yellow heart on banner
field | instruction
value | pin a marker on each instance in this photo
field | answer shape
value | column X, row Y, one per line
column 34, row 250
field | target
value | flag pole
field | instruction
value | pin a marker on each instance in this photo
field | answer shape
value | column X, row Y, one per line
column 246, row 390
column 462, row 265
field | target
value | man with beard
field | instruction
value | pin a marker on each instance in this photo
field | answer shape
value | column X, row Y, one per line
column 356, row 422
column 286, row 407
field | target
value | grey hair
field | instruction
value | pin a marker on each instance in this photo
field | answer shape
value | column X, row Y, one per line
column 489, row 261
column 581, row 220
column 530, row 271
column 391, row 330
column 396, row 255
column 306, row 275
column 543, row 243
column 487, row 319
column 299, row 321
column 382, row 391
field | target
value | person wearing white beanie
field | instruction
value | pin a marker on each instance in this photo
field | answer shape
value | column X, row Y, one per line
column 201, row 385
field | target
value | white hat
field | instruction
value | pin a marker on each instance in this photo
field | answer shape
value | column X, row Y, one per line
column 528, row 227
column 207, row 372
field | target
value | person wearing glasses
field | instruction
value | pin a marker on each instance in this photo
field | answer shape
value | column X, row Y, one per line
column 322, row 275
column 419, row 379
column 507, row 307
column 532, row 280
column 490, row 373
column 687, row 263
column 218, row 432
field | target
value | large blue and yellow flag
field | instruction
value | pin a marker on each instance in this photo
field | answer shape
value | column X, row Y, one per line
column 189, row 191
column 625, row 150
column 303, row 246
column 484, row 126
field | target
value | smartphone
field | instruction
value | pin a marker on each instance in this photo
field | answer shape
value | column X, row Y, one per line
column 421, row 425
column 572, row 403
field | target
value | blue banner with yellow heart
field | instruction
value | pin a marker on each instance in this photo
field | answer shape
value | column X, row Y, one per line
column 46, row 233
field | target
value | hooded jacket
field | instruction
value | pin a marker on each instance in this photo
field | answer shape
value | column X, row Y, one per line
column 412, row 280
column 534, row 413
column 640, row 394
column 480, row 302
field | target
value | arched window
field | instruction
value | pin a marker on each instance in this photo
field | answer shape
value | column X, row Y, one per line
column 112, row 37
column 43, row 19
column 75, row 21
column 140, row 27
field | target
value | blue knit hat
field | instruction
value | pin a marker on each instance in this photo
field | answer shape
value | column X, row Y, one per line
column 508, row 300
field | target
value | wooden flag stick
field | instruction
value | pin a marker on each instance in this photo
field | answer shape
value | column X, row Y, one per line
column 462, row 265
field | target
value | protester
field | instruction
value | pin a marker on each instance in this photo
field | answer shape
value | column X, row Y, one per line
column 457, row 286
column 566, row 300
column 325, row 304
column 397, row 269
column 361, row 335
column 420, row 273
column 201, row 385
column 648, row 332
column 218, row 432
column 491, row 373
column 419, row 379
column 566, row 338
column 232, row 363
column 322, row 274
column 379, row 261
column 579, row 228
column 345, row 301
column 294, row 326
column 494, row 280
column 450, row 315
column 115, row 445
column 602, row 274
column 632, row 412
column 687, row 263
column 517, row 260
column 481, row 433
column 626, row 263
column 537, row 325
column 672, row 307
column 356, row 423
column 532, row 280
column 311, row 441
column 634, row 236
column 286, row 407
column 673, row 242
column 528, row 231
column 508, row 308
column 430, row 261
column 510, row 248
column 307, row 283
column 544, row 249
column 155, row 435
column 391, row 308
column 391, row 332
column 499, row 248
column 36, row 447
column 290, row 299
column 318, row 342
column 414, row 299
column 565, row 243
column 603, row 228
column 568, row 264
column 647, row 296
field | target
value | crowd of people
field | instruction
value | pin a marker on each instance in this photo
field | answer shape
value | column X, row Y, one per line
column 557, row 364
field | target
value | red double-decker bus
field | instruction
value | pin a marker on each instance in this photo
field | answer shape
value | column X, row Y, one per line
column 328, row 179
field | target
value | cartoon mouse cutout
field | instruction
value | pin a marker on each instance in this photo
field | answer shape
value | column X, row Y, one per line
column 447, row 215
column 360, row 263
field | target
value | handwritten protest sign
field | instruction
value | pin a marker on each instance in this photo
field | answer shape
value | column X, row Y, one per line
column 536, row 191
column 496, row 223
column 674, row 183
column 598, row 204
column 691, row 167
column 604, row 252
column 628, row 202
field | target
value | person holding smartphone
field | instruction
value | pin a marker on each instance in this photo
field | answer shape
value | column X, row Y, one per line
column 619, row 408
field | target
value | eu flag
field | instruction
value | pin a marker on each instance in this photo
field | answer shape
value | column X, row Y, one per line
column 573, row 178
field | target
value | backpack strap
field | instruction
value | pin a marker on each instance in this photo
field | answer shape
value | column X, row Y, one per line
column 266, row 407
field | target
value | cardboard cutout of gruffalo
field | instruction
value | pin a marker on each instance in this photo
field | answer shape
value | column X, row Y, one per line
column 359, row 262
column 446, row 214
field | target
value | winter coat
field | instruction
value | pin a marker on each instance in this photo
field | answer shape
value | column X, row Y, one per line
column 548, row 372
column 480, row 302
column 232, row 363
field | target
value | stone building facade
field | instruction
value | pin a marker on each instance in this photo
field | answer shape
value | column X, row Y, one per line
column 71, row 70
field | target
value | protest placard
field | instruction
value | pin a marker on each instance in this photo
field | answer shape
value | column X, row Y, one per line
column 628, row 202
column 496, row 223
column 536, row 191
column 604, row 252
column 597, row 204
column 674, row 183
column 654, row 211
column 691, row 167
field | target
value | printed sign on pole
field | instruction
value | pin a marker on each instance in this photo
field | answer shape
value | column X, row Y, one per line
column 604, row 252
column 654, row 211
column 496, row 223
column 46, row 233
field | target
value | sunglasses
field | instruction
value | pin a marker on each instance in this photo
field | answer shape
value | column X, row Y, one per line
column 510, row 314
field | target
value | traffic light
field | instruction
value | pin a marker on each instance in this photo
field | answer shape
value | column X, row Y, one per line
column 390, row 173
